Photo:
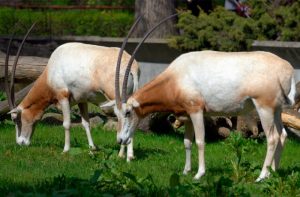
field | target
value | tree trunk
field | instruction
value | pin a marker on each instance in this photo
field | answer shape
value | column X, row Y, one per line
column 153, row 12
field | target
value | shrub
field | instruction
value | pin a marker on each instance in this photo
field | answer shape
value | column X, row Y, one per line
column 226, row 31
column 74, row 22
column 220, row 30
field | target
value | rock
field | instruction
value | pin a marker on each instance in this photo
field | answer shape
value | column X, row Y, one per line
column 95, row 121
column 53, row 118
column 248, row 124
column 224, row 132
column 110, row 125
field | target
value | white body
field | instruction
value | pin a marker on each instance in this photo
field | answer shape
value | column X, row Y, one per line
column 76, row 74
column 82, row 70
column 222, row 78
column 218, row 83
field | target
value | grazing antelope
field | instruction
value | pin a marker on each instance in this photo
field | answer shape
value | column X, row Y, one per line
column 76, row 73
column 215, row 83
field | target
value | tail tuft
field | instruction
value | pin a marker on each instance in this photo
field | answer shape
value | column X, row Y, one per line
column 292, row 94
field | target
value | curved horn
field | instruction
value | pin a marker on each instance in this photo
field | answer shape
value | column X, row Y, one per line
column 117, row 76
column 7, row 89
column 124, row 96
column 13, row 72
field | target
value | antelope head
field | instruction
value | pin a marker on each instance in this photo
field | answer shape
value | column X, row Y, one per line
column 126, row 108
column 24, row 126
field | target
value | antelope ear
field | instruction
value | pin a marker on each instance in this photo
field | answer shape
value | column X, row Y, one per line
column 15, row 111
column 108, row 107
column 133, row 102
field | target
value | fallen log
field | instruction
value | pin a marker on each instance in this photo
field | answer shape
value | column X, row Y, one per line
column 4, row 107
column 29, row 68
column 291, row 118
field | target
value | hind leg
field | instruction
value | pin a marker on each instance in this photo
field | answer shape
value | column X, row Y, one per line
column 188, row 137
column 198, row 125
column 267, row 117
column 283, row 134
column 83, row 107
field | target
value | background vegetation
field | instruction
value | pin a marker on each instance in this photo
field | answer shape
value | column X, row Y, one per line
column 80, row 2
column 218, row 30
column 226, row 31
column 232, row 166
column 71, row 22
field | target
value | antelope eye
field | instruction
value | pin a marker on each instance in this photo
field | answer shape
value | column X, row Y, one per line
column 127, row 114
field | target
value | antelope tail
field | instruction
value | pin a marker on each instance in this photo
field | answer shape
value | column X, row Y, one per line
column 293, row 93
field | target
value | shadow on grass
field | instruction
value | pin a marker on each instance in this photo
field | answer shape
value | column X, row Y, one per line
column 100, row 183
column 57, row 186
column 289, row 170
column 140, row 153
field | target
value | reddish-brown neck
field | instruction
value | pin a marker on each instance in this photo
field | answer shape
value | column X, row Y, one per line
column 166, row 94
column 38, row 98
column 160, row 95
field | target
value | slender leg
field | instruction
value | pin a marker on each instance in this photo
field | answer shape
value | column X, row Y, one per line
column 267, row 119
column 65, row 107
column 83, row 107
column 188, row 137
column 283, row 134
column 122, row 151
column 130, row 154
column 198, row 122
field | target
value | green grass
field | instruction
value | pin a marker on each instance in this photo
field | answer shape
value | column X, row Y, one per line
column 232, row 166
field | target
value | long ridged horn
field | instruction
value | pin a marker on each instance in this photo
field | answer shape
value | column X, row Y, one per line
column 7, row 89
column 13, row 72
column 117, row 76
column 124, row 87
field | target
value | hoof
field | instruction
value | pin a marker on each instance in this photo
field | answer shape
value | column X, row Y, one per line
column 121, row 155
column 198, row 176
column 186, row 171
column 130, row 158
column 259, row 179
column 65, row 152
column 262, row 177
column 94, row 148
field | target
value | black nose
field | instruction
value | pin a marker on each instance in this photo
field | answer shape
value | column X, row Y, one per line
column 171, row 118
column 119, row 141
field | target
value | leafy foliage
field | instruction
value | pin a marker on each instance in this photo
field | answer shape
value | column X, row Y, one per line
column 226, row 31
column 74, row 22
column 2, row 96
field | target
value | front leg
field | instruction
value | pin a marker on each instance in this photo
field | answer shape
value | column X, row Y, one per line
column 83, row 107
column 130, row 155
column 188, row 137
column 65, row 107
column 198, row 123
